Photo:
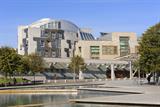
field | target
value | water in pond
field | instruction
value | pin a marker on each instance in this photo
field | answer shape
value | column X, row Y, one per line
column 49, row 100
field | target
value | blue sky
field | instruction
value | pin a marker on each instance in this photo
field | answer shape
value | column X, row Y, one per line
column 100, row 15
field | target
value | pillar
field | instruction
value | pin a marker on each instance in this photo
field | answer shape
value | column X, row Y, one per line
column 112, row 72
column 81, row 75
column 130, row 69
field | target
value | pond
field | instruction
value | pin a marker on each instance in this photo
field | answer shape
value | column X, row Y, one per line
column 51, row 100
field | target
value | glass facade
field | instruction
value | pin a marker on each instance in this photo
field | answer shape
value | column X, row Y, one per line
column 86, row 36
column 51, row 25
column 109, row 50
column 94, row 52
column 42, row 43
column 124, row 46
column 50, row 44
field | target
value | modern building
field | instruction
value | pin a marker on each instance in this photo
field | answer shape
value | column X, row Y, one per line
column 58, row 40
column 51, row 38
column 109, row 46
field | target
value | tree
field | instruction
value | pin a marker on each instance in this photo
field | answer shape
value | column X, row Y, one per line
column 136, row 66
column 10, row 61
column 150, row 50
column 76, row 64
column 24, row 67
column 36, row 63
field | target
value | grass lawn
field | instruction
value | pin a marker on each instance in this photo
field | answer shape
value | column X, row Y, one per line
column 11, row 80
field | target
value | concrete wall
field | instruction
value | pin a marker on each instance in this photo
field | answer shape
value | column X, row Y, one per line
column 68, row 36
column 32, row 45
column 85, row 45
column 34, row 30
column 132, row 39
column 21, row 36
column 85, row 49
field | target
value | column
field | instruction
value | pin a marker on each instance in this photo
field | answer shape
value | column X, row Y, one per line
column 81, row 75
column 112, row 72
column 130, row 69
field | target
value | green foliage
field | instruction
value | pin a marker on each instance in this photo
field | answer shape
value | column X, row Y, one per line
column 77, row 63
column 150, row 49
column 25, row 66
column 136, row 65
column 11, row 80
column 36, row 63
column 20, row 80
column 5, row 80
column 10, row 61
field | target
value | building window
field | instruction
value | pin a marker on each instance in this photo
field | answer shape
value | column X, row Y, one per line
column 50, row 25
column 53, row 25
column 90, row 37
column 67, row 52
column 62, row 36
column 124, row 46
column 94, row 52
column 69, row 44
column 41, row 26
column 80, row 49
column 84, row 34
column 59, row 25
column 45, row 26
column 41, row 43
column 21, row 47
column 26, row 32
column 53, row 54
column 109, row 50
column 81, row 36
column 77, row 35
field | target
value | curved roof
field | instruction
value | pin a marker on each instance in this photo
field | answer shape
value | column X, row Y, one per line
column 70, row 23
column 40, row 22
column 68, row 26
column 65, row 24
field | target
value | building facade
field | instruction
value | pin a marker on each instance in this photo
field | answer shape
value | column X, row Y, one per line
column 58, row 40
column 61, row 39
column 51, row 38
column 108, row 46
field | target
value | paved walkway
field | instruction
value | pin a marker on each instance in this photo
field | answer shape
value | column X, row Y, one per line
column 143, row 94
column 135, row 99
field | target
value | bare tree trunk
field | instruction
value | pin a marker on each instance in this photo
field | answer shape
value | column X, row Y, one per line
column 154, row 78
column 34, row 79
column 6, row 75
column 157, row 78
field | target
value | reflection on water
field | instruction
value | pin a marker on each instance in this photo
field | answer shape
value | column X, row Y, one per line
column 66, row 87
column 49, row 100
column 40, row 99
